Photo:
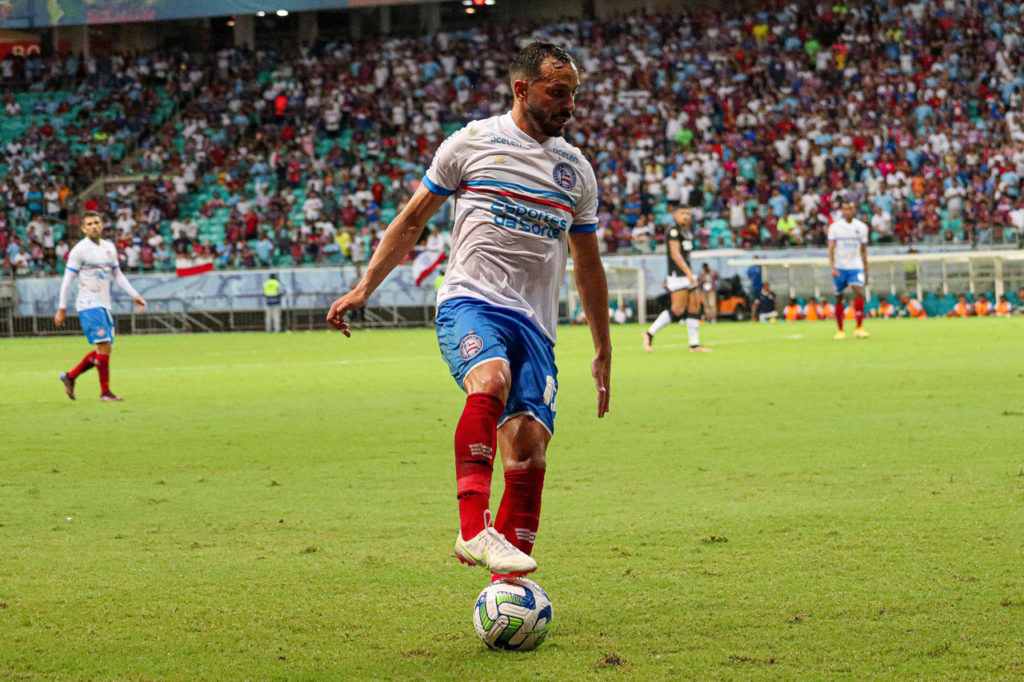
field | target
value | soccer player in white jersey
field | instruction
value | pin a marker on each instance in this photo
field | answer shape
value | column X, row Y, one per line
column 523, row 196
column 94, row 261
column 848, row 256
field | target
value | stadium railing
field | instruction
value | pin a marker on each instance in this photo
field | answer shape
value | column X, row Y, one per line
column 227, row 313
column 992, row 272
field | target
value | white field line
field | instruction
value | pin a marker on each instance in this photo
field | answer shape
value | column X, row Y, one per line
column 358, row 361
column 259, row 365
column 791, row 337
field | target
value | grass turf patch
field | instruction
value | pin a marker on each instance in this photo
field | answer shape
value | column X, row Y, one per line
column 282, row 507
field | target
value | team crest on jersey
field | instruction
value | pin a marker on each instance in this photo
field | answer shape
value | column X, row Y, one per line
column 470, row 346
column 565, row 176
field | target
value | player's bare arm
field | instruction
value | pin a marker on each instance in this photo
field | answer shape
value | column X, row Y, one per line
column 832, row 258
column 398, row 240
column 122, row 281
column 593, row 288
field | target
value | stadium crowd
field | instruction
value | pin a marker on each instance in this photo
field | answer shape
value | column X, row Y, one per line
column 758, row 118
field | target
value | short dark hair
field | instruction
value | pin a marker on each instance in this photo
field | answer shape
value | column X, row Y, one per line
column 91, row 214
column 527, row 61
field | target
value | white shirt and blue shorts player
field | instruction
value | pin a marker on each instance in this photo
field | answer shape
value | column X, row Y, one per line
column 848, row 238
column 516, row 201
column 96, row 266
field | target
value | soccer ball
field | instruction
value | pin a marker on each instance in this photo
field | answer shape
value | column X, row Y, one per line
column 513, row 613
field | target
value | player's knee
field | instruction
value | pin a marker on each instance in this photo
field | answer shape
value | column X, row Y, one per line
column 527, row 456
column 492, row 378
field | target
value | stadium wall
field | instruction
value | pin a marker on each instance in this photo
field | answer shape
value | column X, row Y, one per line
column 318, row 287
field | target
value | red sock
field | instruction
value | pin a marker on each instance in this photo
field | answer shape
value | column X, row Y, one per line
column 839, row 315
column 87, row 362
column 103, row 367
column 475, row 438
column 858, row 311
column 519, row 511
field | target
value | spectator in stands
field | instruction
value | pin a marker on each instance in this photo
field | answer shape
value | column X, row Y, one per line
column 893, row 110
column 265, row 250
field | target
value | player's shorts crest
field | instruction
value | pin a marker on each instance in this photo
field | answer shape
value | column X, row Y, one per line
column 565, row 176
column 470, row 346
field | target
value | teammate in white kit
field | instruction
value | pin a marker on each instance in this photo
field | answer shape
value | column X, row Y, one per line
column 523, row 196
column 848, row 256
column 94, row 261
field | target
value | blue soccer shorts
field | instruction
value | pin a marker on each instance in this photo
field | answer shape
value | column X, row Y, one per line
column 97, row 324
column 471, row 332
column 848, row 278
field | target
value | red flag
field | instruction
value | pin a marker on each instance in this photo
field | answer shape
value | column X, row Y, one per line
column 425, row 263
column 193, row 266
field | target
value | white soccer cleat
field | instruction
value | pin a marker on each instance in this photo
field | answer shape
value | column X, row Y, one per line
column 491, row 550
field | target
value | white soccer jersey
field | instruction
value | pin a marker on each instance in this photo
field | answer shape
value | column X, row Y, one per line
column 95, row 265
column 848, row 236
column 516, row 200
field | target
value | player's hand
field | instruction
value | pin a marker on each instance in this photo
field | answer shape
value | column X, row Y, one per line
column 59, row 318
column 140, row 303
column 601, row 369
column 835, row 272
column 341, row 307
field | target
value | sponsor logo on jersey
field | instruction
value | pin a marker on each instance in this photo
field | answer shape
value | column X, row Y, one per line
column 470, row 346
column 565, row 155
column 529, row 220
column 504, row 140
column 565, row 176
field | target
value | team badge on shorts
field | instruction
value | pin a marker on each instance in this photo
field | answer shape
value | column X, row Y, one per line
column 564, row 176
column 101, row 332
column 470, row 346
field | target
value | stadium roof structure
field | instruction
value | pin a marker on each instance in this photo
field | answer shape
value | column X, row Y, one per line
column 46, row 13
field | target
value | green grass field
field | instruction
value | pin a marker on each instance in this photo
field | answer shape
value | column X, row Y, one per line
column 282, row 507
